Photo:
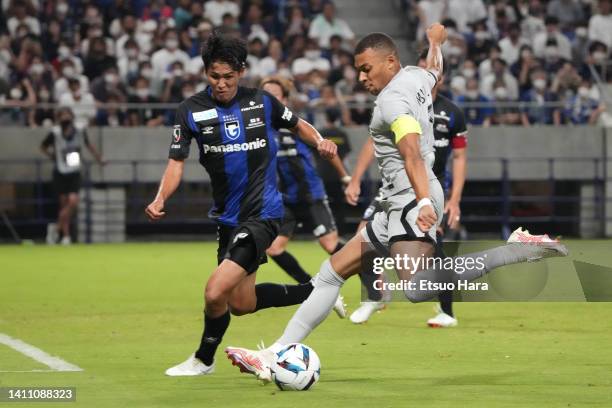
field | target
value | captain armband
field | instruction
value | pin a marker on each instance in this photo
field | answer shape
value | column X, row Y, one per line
column 404, row 125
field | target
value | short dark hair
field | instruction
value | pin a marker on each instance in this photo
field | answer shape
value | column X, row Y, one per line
column 376, row 41
column 226, row 49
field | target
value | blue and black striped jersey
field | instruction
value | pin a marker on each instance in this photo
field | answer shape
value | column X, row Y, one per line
column 299, row 178
column 238, row 149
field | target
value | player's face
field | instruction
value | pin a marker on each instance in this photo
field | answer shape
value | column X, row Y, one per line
column 276, row 91
column 223, row 80
column 376, row 68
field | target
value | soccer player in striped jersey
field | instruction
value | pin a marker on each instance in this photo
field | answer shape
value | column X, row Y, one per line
column 234, row 128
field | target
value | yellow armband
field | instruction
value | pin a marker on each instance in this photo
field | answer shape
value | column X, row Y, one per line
column 403, row 125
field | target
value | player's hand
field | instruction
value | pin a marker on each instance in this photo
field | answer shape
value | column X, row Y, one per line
column 427, row 218
column 436, row 34
column 352, row 192
column 454, row 214
column 327, row 149
column 155, row 210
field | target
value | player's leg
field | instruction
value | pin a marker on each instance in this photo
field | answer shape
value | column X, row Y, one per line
column 445, row 317
column 277, row 251
column 325, row 229
column 70, row 205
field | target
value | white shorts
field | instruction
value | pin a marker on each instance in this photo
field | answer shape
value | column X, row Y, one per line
column 397, row 221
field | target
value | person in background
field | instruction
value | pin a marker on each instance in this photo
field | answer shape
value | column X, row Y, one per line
column 63, row 145
column 475, row 115
column 583, row 107
column 539, row 100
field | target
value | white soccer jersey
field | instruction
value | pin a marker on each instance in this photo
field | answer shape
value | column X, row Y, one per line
column 408, row 93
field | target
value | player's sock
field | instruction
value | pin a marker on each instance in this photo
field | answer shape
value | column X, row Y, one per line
column 338, row 247
column 292, row 267
column 480, row 263
column 214, row 329
column 446, row 302
column 314, row 310
column 277, row 295
column 368, row 277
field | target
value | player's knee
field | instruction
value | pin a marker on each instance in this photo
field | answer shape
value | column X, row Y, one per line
column 215, row 297
column 329, row 242
column 416, row 296
column 275, row 250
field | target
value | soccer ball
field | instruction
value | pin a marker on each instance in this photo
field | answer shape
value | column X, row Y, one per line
column 296, row 368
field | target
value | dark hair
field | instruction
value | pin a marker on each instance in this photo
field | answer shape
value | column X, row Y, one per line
column 376, row 41
column 423, row 56
column 551, row 20
column 285, row 84
column 222, row 48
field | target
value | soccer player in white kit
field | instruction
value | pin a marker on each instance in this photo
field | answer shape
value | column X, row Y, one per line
column 402, row 131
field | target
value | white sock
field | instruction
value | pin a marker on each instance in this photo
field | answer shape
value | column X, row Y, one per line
column 314, row 310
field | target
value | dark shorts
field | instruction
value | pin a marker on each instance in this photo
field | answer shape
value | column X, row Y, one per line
column 374, row 207
column 316, row 216
column 246, row 243
column 66, row 183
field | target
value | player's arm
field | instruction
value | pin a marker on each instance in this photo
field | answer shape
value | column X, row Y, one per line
column 436, row 35
column 92, row 149
column 407, row 133
column 46, row 147
column 366, row 155
column 168, row 185
column 326, row 148
column 459, row 171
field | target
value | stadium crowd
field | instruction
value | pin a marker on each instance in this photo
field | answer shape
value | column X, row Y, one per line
column 90, row 55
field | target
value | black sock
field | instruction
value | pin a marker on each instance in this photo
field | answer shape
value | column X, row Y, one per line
column 276, row 295
column 338, row 247
column 446, row 302
column 214, row 329
column 289, row 264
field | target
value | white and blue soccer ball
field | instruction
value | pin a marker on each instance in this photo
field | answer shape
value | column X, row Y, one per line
column 297, row 368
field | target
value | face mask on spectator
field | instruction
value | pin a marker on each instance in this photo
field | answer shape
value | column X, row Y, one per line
column 68, row 72
column 177, row 72
column 37, row 69
column 146, row 72
column 349, row 74
column 142, row 93
column 471, row 93
column 63, row 51
column 468, row 72
column 454, row 51
column 188, row 93
column 551, row 52
column 110, row 78
column 62, row 8
column 312, row 54
column 44, row 95
column 599, row 57
column 76, row 93
column 172, row 44
column 97, row 33
column 525, row 54
column 132, row 52
column 482, row 35
column 16, row 93
column 539, row 84
column 583, row 92
column 581, row 32
column 501, row 93
column 361, row 97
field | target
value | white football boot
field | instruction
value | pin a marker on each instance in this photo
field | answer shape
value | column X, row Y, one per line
column 190, row 367
column 442, row 319
column 340, row 307
column 367, row 309
column 256, row 362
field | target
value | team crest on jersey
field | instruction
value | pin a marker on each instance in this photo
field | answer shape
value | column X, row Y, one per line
column 176, row 133
column 232, row 129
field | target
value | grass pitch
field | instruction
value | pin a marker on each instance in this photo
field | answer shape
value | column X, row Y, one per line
column 125, row 313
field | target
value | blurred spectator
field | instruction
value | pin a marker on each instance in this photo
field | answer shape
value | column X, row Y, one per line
column 566, row 80
column 332, row 54
column 600, row 23
column 163, row 58
column 506, row 113
column 214, row 10
column 475, row 115
column 254, row 25
column 511, row 44
column 552, row 43
column 533, row 23
column 129, row 63
column 361, row 111
column 43, row 116
column 68, row 72
column 297, row 24
column 480, row 43
column 111, row 115
column 173, row 83
column 128, row 29
column 6, row 55
column 182, row 14
column 539, row 99
column 568, row 12
column 108, row 84
column 21, row 14
column 272, row 62
column 429, row 12
column 254, row 58
column 583, row 108
column 345, row 86
column 466, row 12
column 143, row 117
column 310, row 61
column 97, row 60
column 580, row 44
column 598, row 58
column 327, row 24
column 498, row 78
column 486, row 66
column 20, row 96
column 81, row 102
column 51, row 40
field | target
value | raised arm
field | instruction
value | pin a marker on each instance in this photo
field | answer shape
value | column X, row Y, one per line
column 436, row 35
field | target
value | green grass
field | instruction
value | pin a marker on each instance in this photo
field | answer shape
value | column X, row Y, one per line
column 124, row 313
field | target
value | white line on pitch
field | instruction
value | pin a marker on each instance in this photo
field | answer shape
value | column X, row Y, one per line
column 37, row 354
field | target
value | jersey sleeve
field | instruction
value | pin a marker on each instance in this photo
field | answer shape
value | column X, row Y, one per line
column 459, row 131
column 430, row 77
column 397, row 111
column 282, row 116
column 182, row 133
